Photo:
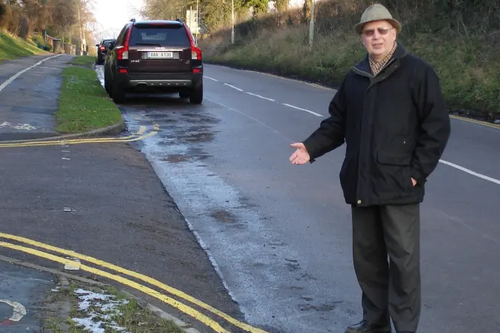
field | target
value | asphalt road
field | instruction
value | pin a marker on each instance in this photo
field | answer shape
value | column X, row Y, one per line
column 281, row 234
column 22, row 287
column 105, row 201
column 29, row 102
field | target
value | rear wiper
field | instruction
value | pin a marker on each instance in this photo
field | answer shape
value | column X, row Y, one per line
column 148, row 44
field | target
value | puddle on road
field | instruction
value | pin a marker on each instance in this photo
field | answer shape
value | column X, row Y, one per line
column 176, row 158
column 224, row 216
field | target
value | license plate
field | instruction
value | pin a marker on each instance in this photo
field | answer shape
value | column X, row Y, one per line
column 160, row 55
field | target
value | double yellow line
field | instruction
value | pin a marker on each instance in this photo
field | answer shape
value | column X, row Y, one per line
column 206, row 320
column 140, row 135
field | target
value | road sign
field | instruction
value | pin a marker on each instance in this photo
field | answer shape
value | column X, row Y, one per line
column 192, row 21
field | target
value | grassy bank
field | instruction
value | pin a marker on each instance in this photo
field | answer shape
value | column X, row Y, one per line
column 466, row 59
column 83, row 104
column 12, row 47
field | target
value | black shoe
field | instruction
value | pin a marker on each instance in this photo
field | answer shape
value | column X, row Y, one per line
column 367, row 327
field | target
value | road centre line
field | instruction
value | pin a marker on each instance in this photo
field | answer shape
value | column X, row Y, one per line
column 211, row 78
column 301, row 109
column 259, row 96
column 470, row 172
column 130, row 273
column 184, row 308
column 231, row 86
column 15, row 76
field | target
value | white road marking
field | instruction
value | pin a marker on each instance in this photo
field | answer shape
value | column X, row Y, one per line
column 26, row 127
column 227, row 84
column 301, row 109
column 15, row 76
column 19, row 310
column 259, row 96
column 211, row 78
column 470, row 172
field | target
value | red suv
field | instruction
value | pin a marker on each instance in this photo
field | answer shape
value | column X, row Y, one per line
column 154, row 56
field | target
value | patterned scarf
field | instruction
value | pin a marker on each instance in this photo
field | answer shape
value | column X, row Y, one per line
column 378, row 66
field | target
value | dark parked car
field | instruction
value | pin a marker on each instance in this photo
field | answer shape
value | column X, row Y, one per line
column 154, row 56
column 102, row 49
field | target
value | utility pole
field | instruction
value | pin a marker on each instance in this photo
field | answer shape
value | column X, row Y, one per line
column 80, row 28
column 190, row 17
column 232, row 21
column 197, row 19
column 311, row 26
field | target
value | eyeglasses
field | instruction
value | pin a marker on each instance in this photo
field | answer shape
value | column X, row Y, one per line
column 371, row 32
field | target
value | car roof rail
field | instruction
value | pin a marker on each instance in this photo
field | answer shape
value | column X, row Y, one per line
column 179, row 20
column 132, row 20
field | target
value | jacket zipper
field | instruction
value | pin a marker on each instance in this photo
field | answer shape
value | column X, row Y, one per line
column 372, row 82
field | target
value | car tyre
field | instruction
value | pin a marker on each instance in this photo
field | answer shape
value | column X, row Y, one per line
column 118, row 93
column 106, row 84
column 196, row 96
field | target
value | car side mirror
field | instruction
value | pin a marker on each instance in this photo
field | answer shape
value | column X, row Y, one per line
column 97, row 45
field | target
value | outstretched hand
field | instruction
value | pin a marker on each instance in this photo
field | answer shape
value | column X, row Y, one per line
column 301, row 156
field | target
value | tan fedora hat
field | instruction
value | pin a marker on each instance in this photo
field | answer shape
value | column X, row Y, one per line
column 376, row 12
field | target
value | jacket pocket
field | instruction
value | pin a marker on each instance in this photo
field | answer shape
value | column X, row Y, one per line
column 396, row 167
column 394, row 159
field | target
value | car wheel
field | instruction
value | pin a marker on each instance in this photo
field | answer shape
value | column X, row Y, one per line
column 106, row 84
column 118, row 93
column 196, row 96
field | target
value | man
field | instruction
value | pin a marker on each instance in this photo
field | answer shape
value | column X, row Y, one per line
column 390, row 112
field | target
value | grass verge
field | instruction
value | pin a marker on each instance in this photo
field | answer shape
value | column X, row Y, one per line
column 81, row 308
column 12, row 47
column 83, row 104
column 84, row 61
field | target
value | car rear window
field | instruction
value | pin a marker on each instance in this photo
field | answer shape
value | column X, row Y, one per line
column 164, row 35
column 107, row 42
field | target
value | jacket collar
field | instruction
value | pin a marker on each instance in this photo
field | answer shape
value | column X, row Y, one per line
column 364, row 65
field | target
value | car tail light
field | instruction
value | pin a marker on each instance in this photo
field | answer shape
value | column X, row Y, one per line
column 102, row 48
column 122, row 53
column 123, row 71
column 196, row 71
column 195, row 53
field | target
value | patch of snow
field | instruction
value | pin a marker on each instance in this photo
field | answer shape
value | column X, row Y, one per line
column 88, row 324
column 98, row 306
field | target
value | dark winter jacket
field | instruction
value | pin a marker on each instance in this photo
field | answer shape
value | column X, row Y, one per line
column 395, row 126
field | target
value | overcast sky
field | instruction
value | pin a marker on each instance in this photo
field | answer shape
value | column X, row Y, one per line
column 112, row 15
